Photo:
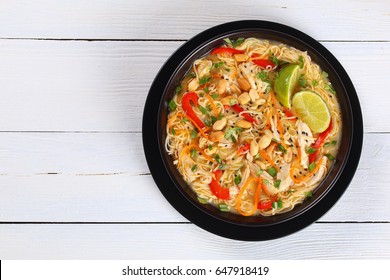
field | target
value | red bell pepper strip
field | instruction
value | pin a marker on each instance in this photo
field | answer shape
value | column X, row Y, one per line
column 186, row 104
column 244, row 148
column 263, row 63
column 226, row 51
column 288, row 113
column 216, row 188
column 264, row 205
column 237, row 108
column 319, row 142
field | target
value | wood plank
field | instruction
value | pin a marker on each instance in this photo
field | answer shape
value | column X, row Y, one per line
column 102, row 86
column 97, row 180
column 121, row 19
column 319, row 241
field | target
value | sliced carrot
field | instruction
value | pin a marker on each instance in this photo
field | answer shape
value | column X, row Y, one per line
column 213, row 107
column 307, row 176
column 240, row 194
column 267, row 158
column 196, row 125
column 194, row 146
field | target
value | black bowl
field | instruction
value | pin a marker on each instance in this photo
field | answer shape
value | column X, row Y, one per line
column 181, row 196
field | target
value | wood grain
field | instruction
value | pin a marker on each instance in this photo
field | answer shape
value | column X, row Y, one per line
column 318, row 241
column 148, row 19
column 102, row 86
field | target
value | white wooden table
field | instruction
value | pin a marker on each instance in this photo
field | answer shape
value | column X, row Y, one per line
column 74, row 76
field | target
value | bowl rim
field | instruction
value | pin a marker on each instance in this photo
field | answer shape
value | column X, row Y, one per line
column 220, row 224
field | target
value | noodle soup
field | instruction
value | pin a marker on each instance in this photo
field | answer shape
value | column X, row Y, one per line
column 254, row 127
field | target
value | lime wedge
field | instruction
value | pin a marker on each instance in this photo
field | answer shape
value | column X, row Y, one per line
column 285, row 83
column 311, row 109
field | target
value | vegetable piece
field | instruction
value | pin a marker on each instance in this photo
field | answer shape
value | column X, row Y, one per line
column 267, row 158
column 204, row 80
column 312, row 166
column 263, row 63
column 172, row 105
column 223, row 207
column 178, row 89
column 314, row 83
column 237, row 179
column 277, row 183
column 301, row 62
column 272, row 171
column 238, row 110
column 186, row 104
column 216, row 188
column 224, row 50
column 329, row 156
column 288, row 113
column 309, row 194
column 202, row 200
column 320, row 141
column 256, row 196
column 311, row 150
column 264, row 205
column 217, row 158
column 212, row 104
column 305, row 177
column 234, row 43
column 243, row 149
column 302, row 81
column 193, row 152
column 193, row 168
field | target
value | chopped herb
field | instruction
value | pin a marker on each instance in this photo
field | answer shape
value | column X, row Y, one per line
column 207, row 122
column 311, row 150
column 192, row 75
column 280, row 203
column 265, row 181
column 201, row 94
column 302, row 81
column 172, row 105
column 233, row 139
column 309, row 194
column 229, row 133
column 203, row 110
column 238, row 129
column 223, row 207
column 178, row 89
column 330, row 88
column 257, row 156
column 262, row 75
column 193, row 134
column 183, row 120
column 206, row 90
column 324, row 74
column 291, row 191
column 258, row 173
column 232, row 102
column 282, row 149
column 301, row 62
column 222, row 167
column 204, row 80
column 237, row 179
column 210, row 147
column 214, row 96
column 272, row 171
column 217, row 64
column 227, row 69
column 203, row 200
column 312, row 166
column 329, row 156
column 193, row 168
column 277, row 204
column 327, row 144
column 234, row 43
column 217, row 158
column 173, row 131
column 274, row 59
column 277, row 183
column 193, row 152
column 314, row 83
column 274, row 140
